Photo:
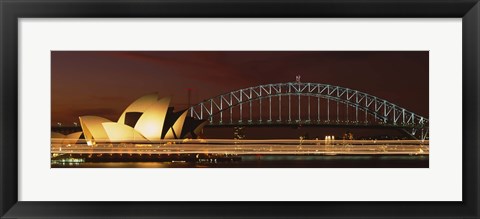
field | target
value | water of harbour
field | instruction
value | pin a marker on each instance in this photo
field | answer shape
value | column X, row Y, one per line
column 268, row 161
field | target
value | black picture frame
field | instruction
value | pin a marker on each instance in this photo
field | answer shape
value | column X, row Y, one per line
column 12, row 10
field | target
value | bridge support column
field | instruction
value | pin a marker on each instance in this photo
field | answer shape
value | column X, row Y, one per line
column 328, row 110
column 270, row 108
column 260, row 116
column 318, row 109
column 279, row 108
column 289, row 108
column 338, row 114
column 308, row 108
column 346, row 108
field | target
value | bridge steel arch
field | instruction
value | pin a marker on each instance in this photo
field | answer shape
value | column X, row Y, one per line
column 375, row 111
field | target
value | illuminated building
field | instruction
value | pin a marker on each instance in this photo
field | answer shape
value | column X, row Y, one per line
column 148, row 119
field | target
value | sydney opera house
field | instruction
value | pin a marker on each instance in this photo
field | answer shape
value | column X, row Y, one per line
column 146, row 120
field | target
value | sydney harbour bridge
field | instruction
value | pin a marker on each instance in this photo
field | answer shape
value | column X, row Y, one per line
column 308, row 104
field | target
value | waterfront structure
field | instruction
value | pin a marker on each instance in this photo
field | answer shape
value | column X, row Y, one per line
column 61, row 139
column 150, row 119
column 308, row 104
column 146, row 120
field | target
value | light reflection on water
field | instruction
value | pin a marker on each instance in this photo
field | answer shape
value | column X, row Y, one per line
column 275, row 161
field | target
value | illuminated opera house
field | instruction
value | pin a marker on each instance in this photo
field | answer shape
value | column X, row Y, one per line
column 148, row 119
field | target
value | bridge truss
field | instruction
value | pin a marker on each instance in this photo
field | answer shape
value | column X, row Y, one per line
column 296, row 103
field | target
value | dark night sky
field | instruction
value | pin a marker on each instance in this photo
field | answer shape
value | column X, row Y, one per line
column 105, row 83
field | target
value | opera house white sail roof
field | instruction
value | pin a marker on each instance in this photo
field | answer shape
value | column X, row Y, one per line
column 147, row 119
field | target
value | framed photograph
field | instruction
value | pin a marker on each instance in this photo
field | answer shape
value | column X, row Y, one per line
column 227, row 117
column 239, row 109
